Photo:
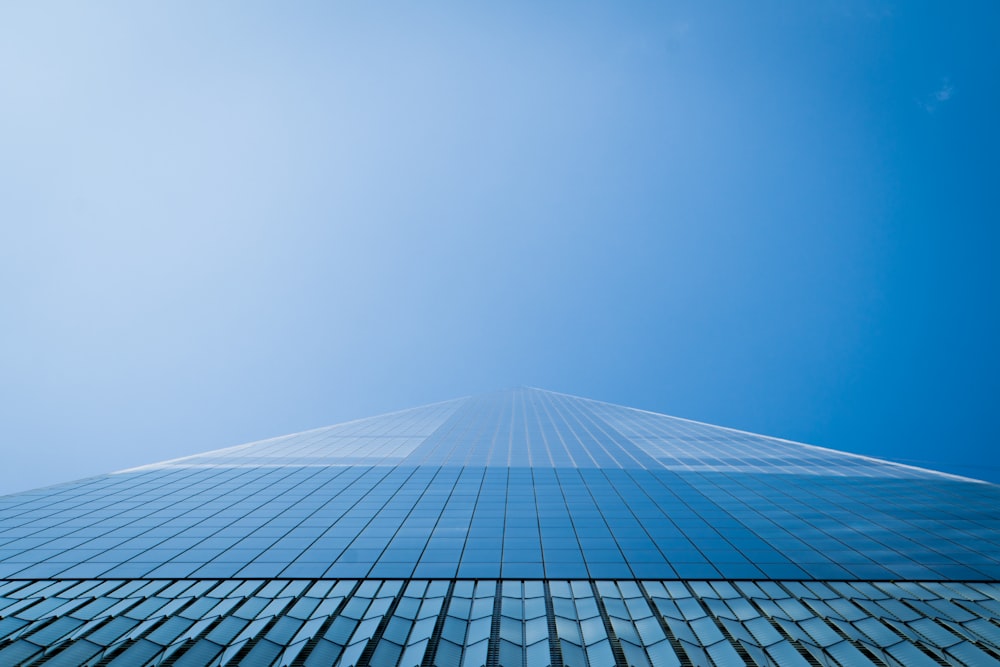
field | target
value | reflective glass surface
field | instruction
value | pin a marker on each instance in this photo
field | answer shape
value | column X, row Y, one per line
column 319, row 623
column 522, row 484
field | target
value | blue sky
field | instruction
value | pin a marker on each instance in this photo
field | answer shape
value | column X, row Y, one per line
column 223, row 222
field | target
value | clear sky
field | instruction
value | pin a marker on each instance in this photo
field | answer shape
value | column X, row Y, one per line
column 226, row 221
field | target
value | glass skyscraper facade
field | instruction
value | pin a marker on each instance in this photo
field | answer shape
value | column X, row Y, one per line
column 517, row 528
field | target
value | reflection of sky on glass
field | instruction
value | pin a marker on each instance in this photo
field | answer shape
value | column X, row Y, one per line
column 519, row 484
column 529, row 427
column 220, row 223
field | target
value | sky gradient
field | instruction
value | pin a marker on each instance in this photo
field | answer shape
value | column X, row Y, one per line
column 225, row 222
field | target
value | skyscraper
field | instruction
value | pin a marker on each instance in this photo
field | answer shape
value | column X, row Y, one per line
column 516, row 528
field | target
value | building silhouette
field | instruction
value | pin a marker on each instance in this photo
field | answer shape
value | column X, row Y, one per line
column 517, row 528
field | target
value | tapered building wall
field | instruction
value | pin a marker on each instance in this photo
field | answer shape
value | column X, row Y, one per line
column 516, row 528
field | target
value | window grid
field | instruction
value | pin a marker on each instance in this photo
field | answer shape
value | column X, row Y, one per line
column 524, row 484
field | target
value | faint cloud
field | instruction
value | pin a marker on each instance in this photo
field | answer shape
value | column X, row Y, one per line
column 861, row 10
column 669, row 39
column 945, row 92
column 680, row 29
column 678, row 33
column 942, row 95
